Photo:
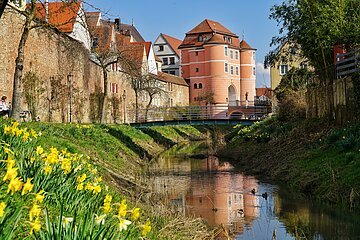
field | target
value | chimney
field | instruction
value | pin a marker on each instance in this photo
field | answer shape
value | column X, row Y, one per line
column 117, row 24
column 46, row 10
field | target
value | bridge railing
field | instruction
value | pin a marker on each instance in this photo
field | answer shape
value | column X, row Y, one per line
column 198, row 113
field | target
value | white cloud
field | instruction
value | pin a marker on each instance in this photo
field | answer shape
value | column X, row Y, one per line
column 262, row 75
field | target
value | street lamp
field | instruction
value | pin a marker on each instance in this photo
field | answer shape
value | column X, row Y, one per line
column 124, row 105
column 70, row 79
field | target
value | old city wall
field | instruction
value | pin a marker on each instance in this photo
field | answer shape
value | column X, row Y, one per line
column 342, row 95
column 54, row 60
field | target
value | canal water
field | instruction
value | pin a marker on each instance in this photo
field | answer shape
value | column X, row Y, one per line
column 246, row 207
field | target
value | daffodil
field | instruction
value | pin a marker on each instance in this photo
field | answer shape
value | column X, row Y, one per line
column 7, row 130
column 146, row 228
column 100, row 219
column 34, row 211
column 47, row 169
column 35, row 226
column 39, row 197
column 2, row 208
column 122, row 209
column 10, row 162
column 123, row 224
column 66, row 165
column 15, row 185
column 81, row 178
column 96, row 189
column 25, row 137
column 39, row 150
column 80, row 186
column 66, row 221
column 11, row 173
column 135, row 214
column 89, row 187
column 28, row 186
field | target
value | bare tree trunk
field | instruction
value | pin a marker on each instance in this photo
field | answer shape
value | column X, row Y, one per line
column 19, row 64
column 136, row 106
column 147, row 108
column 105, row 95
column 3, row 4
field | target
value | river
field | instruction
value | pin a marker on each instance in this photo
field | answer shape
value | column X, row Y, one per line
column 246, row 207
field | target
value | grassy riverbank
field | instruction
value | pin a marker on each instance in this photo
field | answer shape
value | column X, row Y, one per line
column 78, row 205
column 311, row 156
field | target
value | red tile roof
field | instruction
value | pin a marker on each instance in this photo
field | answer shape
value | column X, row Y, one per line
column 173, row 42
column 263, row 92
column 210, row 26
column 165, row 77
column 61, row 15
column 212, row 33
column 245, row 45
column 147, row 46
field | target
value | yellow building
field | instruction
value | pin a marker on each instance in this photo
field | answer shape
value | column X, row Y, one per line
column 288, row 57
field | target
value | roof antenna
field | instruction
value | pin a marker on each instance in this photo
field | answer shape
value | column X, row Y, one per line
column 243, row 35
column 132, row 22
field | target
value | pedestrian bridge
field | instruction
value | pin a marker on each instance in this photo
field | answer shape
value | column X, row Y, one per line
column 197, row 115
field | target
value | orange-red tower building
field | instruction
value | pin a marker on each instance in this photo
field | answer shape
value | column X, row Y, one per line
column 216, row 63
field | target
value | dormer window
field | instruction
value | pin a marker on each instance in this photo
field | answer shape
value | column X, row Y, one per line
column 201, row 38
column 230, row 39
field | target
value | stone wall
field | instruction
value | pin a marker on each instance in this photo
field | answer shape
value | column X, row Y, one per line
column 342, row 96
column 55, row 59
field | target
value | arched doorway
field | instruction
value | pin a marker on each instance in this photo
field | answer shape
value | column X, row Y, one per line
column 232, row 95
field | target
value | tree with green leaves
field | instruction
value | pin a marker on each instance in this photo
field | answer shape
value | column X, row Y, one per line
column 317, row 26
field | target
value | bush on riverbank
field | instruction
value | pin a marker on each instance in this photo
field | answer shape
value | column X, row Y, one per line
column 311, row 155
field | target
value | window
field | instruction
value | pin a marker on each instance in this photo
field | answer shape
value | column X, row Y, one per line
column 200, row 85
column 230, row 39
column 95, row 42
column 113, row 88
column 172, row 72
column 200, row 38
column 196, row 53
column 237, row 70
column 254, row 56
column 303, row 66
column 226, row 51
column 165, row 61
column 161, row 48
column 225, row 38
column 284, row 68
column 236, row 54
column 172, row 60
column 197, row 69
column 231, row 54
column 195, row 86
column 232, row 70
column 226, row 67
column 254, row 71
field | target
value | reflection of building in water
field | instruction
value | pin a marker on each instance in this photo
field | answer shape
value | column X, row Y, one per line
column 219, row 197
column 224, row 199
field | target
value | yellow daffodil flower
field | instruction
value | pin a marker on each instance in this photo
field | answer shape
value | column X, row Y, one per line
column 81, row 178
column 25, row 137
column 34, row 211
column 146, row 228
column 122, row 209
column 96, row 189
column 35, row 226
column 10, row 162
column 28, row 186
column 135, row 214
column 10, row 174
column 80, row 186
column 39, row 197
column 2, row 208
column 47, row 169
column 39, row 150
column 15, row 185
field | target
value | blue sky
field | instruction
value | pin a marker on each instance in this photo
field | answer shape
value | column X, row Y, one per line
column 175, row 18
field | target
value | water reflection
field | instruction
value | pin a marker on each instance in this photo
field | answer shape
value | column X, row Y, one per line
column 213, row 190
